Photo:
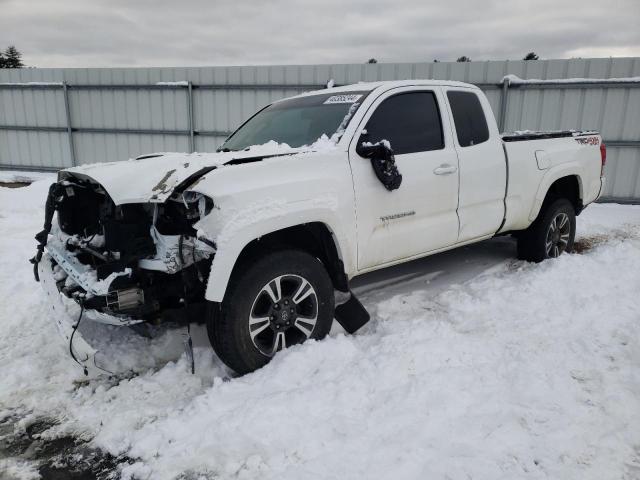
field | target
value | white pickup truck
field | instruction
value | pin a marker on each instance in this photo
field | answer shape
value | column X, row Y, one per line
column 258, row 239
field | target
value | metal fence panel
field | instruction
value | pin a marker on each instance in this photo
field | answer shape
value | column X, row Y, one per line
column 35, row 150
column 107, row 114
column 99, row 147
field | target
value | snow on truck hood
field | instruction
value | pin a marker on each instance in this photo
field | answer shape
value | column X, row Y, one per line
column 152, row 178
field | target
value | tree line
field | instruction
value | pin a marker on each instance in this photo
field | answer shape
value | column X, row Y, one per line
column 11, row 58
column 464, row 58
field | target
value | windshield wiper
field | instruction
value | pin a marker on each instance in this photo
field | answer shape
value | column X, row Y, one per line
column 224, row 149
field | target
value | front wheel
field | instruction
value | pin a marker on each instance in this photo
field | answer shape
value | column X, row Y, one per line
column 551, row 234
column 283, row 299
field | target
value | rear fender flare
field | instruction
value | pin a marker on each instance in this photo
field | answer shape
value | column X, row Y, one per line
column 571, row 169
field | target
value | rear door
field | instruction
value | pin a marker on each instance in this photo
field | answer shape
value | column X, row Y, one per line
column 420, row 215
column 482, row 164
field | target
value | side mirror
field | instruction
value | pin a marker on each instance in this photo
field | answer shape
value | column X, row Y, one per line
column 382, row 160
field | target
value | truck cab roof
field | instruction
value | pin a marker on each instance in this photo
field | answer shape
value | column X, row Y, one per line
column 386, row 85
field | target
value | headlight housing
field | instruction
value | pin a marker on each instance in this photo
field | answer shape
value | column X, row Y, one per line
column 193, row 199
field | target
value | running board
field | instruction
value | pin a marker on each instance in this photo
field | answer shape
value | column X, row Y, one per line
column 352, row 315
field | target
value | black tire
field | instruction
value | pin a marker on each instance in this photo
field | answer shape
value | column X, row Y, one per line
column 533, row 243
column 229, row 327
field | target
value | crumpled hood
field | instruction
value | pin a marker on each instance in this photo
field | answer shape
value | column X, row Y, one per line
column 152, row 178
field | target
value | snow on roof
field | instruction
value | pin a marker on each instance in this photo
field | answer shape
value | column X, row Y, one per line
column 515, row 80
column 179, row 83
column 28, row 84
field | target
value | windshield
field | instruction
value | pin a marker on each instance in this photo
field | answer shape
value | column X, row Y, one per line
column 298, row 121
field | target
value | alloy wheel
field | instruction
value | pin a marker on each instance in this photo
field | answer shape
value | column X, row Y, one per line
column 558, row 235
column 284, row 313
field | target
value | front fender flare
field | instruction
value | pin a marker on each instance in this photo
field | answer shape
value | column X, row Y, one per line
column 239, row 228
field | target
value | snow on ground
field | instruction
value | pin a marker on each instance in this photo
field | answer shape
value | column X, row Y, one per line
column 475, row 365
column 14, row 176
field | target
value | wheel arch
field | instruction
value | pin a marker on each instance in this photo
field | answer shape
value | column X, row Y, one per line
column 568, row 185
column 316, row 238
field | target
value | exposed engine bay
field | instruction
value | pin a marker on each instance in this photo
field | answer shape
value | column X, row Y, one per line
column 132, row 262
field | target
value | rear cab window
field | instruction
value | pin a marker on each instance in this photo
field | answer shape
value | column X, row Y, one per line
column 409, row 121
column 468, row 117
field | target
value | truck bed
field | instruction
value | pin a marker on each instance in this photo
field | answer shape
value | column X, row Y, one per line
column 519, row 136
column 536, row 158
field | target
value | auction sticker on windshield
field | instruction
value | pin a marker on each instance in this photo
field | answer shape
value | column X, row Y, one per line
column 342, row 99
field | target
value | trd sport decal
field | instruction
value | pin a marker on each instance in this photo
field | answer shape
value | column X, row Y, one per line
column 588, row 140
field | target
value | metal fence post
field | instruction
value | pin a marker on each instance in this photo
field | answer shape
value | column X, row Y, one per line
column 72, row 150
column 190, row 114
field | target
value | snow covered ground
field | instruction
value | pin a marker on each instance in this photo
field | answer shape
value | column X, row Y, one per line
column 475, row 365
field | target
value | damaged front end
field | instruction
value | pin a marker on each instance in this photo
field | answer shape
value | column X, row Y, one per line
column 122, row 264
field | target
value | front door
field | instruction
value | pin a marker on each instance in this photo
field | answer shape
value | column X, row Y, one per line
column 420, row 215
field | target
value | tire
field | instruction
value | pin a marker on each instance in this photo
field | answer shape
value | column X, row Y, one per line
column 271, row 304
column 551, row 234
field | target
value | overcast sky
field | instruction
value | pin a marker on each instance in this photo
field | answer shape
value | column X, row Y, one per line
column 105, row 33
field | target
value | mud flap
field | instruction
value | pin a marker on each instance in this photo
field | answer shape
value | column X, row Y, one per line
column 352, row 315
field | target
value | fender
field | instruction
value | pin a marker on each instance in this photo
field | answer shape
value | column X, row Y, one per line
column 256, row 199
column 572, row 168
column 240, row 229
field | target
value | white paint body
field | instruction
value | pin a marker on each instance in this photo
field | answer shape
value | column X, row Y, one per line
column 448, row 197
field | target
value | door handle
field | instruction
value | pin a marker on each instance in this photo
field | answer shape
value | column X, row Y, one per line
column 445, row 169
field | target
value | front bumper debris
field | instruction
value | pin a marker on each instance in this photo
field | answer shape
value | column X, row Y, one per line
column 83, row 275
column 84, row 353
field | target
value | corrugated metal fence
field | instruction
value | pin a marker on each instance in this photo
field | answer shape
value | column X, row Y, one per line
column 54, row 118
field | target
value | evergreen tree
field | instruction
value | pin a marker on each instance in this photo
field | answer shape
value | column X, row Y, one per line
column 372, row 60
column 531, row 56
column 2, row 60
column 12, row 58
column 463, row 58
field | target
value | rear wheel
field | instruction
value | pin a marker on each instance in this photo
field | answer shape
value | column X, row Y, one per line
column 283, row 299
column 551, row 234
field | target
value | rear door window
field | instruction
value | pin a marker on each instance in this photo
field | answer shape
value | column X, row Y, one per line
column 409, row 121
column 469, row 118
